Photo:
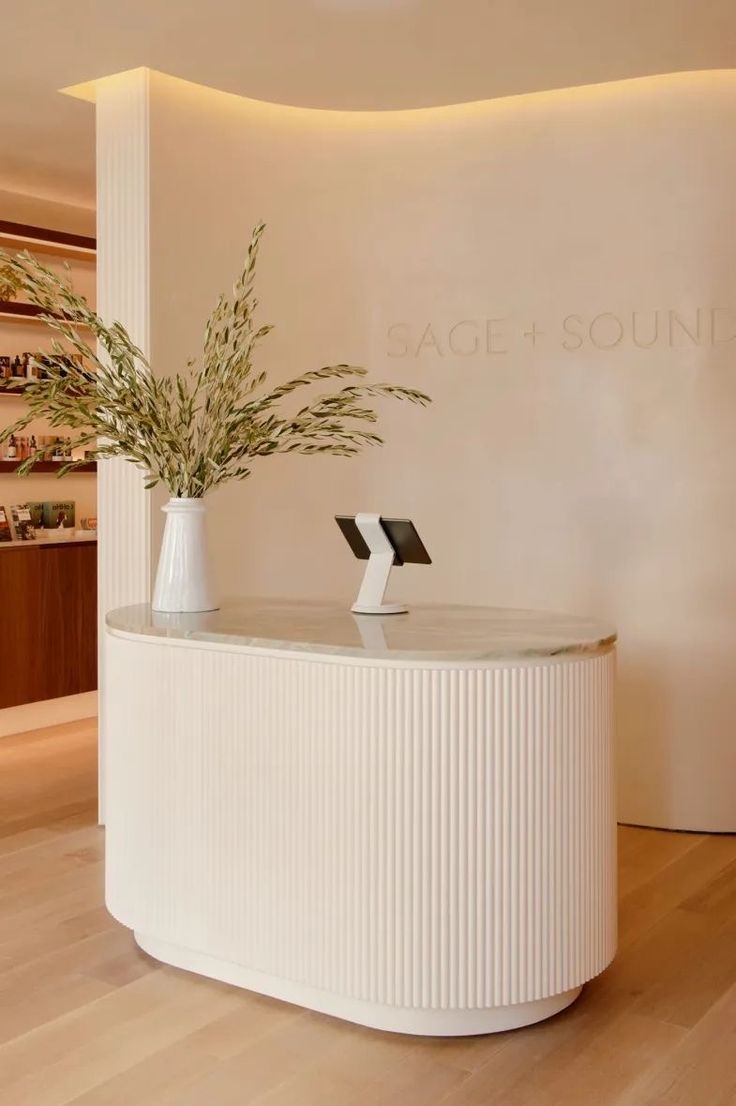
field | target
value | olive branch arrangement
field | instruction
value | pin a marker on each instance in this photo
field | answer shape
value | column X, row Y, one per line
column 190, row 431
column 9, row 283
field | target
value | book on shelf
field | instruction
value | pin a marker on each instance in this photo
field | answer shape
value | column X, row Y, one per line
column 52, row 514
column 36, row 510
column 57, row 514
column 5, row 532
column 22, row 522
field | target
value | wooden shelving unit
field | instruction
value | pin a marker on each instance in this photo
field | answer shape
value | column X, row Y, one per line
column 48, row 587
column 47, row 466
column 49, row 596
column 55, row 243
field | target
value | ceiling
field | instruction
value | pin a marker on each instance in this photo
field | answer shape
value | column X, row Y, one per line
column 343, row 54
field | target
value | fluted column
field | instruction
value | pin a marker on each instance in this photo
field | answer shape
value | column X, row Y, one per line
column 124, row 512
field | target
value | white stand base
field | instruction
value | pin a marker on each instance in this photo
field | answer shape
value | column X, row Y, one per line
column 431, row 1023
column 382, row 608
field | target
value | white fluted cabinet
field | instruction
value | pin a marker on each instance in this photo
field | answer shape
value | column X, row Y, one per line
column 405, row 821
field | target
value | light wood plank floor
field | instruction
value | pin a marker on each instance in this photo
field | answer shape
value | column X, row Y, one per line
column 87, row 1019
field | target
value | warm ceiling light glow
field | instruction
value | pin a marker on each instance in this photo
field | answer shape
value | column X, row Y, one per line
column 627, row 86
column 367, row 7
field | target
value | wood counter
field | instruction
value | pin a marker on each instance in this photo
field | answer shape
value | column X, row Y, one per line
column 48, row 616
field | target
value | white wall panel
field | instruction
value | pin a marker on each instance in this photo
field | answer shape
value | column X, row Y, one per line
column 579, row 454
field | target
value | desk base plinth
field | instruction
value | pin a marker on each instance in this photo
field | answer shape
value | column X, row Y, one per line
column 430, row 1023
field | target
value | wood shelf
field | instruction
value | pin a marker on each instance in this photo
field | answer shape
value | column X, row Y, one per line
column 27, row 313
column 45, row 542
column 44, row 240
column 10, row 309
column 47, row 466
column 11, row 392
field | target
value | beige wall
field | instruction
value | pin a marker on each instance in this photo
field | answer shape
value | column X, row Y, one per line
column 562, row 464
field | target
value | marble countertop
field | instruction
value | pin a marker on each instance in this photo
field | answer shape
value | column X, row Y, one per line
column 441, row 633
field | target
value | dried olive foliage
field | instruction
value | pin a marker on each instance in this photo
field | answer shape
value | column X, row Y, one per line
column 9, row 283
column 195, row 430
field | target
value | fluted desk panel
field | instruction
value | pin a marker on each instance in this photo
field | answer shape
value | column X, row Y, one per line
column 406, row 821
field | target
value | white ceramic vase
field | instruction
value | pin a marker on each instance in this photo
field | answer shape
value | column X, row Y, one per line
column 182, row 580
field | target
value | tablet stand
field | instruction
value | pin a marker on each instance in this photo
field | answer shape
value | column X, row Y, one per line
column 378, row 569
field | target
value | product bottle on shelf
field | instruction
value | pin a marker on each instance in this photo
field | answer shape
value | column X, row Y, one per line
column 12, row 450
column 33, row 446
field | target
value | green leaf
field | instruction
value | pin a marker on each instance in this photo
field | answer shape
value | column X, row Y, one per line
column 194, row 430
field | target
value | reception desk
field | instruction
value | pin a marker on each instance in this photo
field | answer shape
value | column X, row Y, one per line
column 405, row 821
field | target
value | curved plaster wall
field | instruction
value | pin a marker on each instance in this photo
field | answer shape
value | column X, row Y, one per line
column 559, row 272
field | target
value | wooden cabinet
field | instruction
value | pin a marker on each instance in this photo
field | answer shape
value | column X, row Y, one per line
column 48, row 621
